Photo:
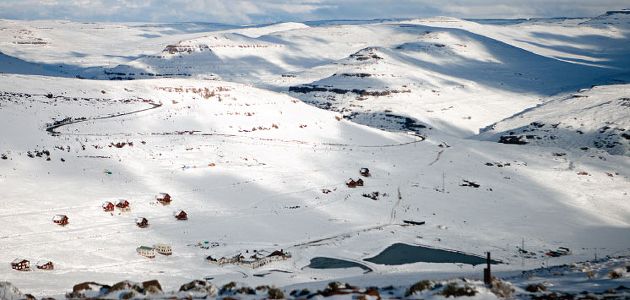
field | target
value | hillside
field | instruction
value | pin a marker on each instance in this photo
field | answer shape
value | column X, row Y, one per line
column 249, row 185
column 595, row 118
column 302, row 154
column 424, row 70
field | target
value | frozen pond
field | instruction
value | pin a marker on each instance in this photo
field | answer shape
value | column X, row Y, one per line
column 335, row 263
column 400, row 254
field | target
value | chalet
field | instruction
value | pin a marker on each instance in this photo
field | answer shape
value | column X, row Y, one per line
column 181, row 215
column 365, row 172
column 108, row 206
column 231, row 260
column 163, row 249
column 351, row 183
column 142, row 222
column 146, row 251
column 60, row 220
column 21, row 265
column 279, row 254
column 123, row 205
column 45, row 265
column 163, row 198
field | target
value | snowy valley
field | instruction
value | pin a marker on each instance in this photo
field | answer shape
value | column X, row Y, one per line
column 304, row 153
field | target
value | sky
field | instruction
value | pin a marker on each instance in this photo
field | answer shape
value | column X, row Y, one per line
column 269, row 11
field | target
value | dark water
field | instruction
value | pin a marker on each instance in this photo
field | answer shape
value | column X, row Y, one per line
column 400, row 254
column 334, row 263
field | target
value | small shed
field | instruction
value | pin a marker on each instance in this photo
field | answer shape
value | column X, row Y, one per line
column 163, row 198
column 123, row 205
column 108, row 206
column 60, row 220
column 181, row 215
column 163, row 249
column 21, row 264
column 351, row 183
column 365, row 172
column 45, row 265
column 142, row 222
column 146, row 251
column 359, row 182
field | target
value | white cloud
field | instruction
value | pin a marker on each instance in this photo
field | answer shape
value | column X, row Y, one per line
column 260, row 11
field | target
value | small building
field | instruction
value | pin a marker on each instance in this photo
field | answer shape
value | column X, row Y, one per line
column 351, row 183
column 365, row 172
column 359, row 182
column 142, row 222
column 181, row 215
column 60, row 220
column 163, row 249
column 123, row 205
column 21, row 264
column 146, row 251
column 45, row 265
column 108, row 206
column 279, row 254
column 163, row 198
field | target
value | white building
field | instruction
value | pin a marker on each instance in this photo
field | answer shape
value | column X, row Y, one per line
column 146, row 251
column 163, row 249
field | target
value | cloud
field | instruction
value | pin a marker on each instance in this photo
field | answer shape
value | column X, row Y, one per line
column 265, row 11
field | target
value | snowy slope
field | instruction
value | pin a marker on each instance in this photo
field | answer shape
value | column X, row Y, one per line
column 436, row 62
column 93, row 44
column 428, row 66
column 615, row 18
column 427, row 79
column 594, row 118
column 247, row 189
column 228, row 122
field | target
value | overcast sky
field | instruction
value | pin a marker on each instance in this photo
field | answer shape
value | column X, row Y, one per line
column 266, row 11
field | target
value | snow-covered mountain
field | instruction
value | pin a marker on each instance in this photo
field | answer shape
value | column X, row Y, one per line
column 229, row 122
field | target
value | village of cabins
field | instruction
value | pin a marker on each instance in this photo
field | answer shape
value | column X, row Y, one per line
column 257, row 259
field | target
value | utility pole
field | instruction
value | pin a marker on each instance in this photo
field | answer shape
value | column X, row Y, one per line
column 523, row 252
column 487, row 273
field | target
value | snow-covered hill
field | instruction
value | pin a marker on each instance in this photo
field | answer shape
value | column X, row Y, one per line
column 227, row 121
column 615, row 18
column 424, row 70
column 258, row 170
column 595, row 118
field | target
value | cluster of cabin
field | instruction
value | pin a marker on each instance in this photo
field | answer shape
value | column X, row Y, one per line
column 21, row 264
column 142, row 222
column 351, row 183
column 257, row 260
column 122, row 205
column 150, row 252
